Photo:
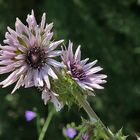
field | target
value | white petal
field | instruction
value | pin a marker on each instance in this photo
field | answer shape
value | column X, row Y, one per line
column 22, row 48
column 97, row 86
column 69, row 53
column 35, row 77
column 94, row 85
column 52, row 74
column 84, row 86
column 54, row 53
column 26, row 41
column 51, row 96
column 6, row 62
column 78, row 54
column 38, row 36
column 9, row 48
column 97, row 80
column 28, row 78
column 19, row 83
column 48, row 27
column 13, row 33
column 45, row 97
column 20, row 56
column 32, row 40
column 56, row 103
column 7, row 53
column 47, row 39
column 89, row 65
column 53, row 45
column 94, row 70
column 31, row 20
column 10, row 79
column 6, row 69
column 83, row 62
column 54, row 63
column 40, row 79
column 46, row 79
column 99, row 76
column 18, row 63
column 22, row 70
column 43, row 21
column 10, row 67
column 20, row 27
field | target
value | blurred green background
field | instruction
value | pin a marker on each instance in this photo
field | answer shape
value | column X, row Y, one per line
column 108, row 31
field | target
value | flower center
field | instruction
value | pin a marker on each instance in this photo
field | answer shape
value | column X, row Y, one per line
column 77, row 72
column 36, row 57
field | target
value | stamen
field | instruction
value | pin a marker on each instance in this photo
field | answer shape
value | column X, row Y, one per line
column 35, row 58
column 78, row 72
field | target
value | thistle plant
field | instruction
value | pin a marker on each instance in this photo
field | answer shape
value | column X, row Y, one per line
column 29, row 55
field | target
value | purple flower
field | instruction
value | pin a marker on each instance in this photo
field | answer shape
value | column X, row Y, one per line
column 29, row 115
column 28, row 54
column 48, row 95
column 70, row 132
column 82, row 72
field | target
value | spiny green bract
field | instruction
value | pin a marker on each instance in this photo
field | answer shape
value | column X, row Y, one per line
column 65, row 87
column 119, row 135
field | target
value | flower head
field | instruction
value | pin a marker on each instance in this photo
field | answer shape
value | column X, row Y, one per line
column 28, row 54
column 70, row 132
column 29, row 115
column 82, row 72
column 48, row 95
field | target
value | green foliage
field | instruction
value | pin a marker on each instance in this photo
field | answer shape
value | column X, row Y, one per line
column 94, row 131
column 119, row 135
column 66, row 87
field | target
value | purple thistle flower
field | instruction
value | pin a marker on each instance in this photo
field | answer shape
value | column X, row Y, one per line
column 70, row 132
column 29, row 115
column 28, row 54
column 82, row 72
column 48, row 95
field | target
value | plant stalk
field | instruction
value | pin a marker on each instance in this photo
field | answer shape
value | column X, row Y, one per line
column 46, row 124
column 93, row 117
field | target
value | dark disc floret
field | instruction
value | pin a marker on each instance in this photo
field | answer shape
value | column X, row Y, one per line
column 77, row 72
column 35, row 57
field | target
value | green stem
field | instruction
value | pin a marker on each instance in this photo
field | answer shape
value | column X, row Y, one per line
column 38, row 124
column 94, row 118
column 46, row 124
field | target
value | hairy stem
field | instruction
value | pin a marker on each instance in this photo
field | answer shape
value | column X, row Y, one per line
column 93, row 117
